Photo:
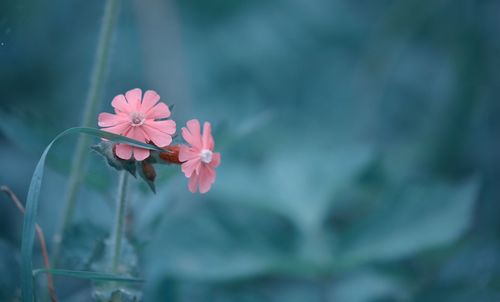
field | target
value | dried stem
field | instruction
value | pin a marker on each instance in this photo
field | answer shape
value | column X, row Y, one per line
column 41, row 239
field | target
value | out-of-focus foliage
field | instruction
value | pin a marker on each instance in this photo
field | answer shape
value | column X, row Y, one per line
column 359, row 145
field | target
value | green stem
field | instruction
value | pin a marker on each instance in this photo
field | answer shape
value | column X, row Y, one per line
column 80, row 158
column 121, row 207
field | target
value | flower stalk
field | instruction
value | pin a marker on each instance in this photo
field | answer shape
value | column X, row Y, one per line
column 118, row 228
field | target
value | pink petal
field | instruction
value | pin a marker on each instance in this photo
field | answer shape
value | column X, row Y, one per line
column 107, row 119
column 134, row 99
column 120, row 104
column 186, row 153
column 207, row 139
column 158, row 112
column 137, row 134
column 149, row 100
column 191, row 166
column 141, row 153
column 167, row 127
column 215, row 160
column 206, row 178
column 147, row 138
column 121, row 129
column 160, row 132
column 192, row 133
column 193, row 183
column 123, row 151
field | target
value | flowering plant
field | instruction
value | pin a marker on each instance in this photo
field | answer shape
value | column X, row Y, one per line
column 134, row 138
column 145, row 118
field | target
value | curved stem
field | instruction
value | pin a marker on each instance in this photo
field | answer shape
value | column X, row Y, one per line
column 121, row 210
column 80, row 158
column 41, row 239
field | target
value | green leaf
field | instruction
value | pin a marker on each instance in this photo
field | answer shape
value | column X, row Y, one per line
column 84, row 243
column 417, row 218
column 298, row 183
column 95, row 276
column 375, row 287
column 128, row 266
column 216, row 242
column 32, row 202
column 110, row 294
column 102, row 258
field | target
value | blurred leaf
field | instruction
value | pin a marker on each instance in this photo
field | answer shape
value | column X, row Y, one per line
column 367, row 286
column 417, row 218
column 83, row 242
column 9, row 266
column 299, row 182
column 360, row 286
column 459, row 293
column 212, row 241
column 475, row 263
column 122, row 295
column 467, row 272
column 128, row 266
column 261, row 289
column 128, row 258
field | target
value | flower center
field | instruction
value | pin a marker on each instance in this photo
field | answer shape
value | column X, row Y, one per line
column 206, row 156
column 136, row 119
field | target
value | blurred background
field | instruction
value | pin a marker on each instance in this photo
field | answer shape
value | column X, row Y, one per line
column 360, row 146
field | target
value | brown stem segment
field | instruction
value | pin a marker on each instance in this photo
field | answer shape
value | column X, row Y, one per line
column 41, row 239
column 171, row 155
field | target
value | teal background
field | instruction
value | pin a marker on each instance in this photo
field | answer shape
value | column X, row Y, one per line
column 359, row 139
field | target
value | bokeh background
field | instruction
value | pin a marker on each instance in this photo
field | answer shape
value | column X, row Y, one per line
column 359, row 139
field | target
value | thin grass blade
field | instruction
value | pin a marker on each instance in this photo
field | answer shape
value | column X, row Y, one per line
column 95, row 276
column 28, row 236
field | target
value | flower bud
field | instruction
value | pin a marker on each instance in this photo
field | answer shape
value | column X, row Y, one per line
column 171, row 155
column 148, row 170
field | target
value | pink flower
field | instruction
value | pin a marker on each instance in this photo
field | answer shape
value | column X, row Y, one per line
column 139, row 118
column 199, row 159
